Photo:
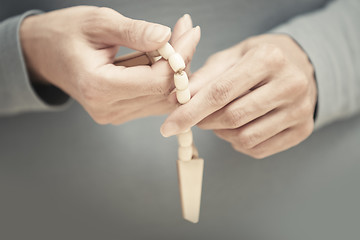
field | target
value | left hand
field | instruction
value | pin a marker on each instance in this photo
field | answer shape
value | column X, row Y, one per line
column 259, row 95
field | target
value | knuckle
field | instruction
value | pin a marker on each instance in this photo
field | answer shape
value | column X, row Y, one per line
column 89, row 92
column 95, row 19
column 188, row 58
column 300, row 83
column 237, row 147
column 219, row 93
column 248, row 139
column 272, row 56
column 162, row 82
column 161, row 88
column 295, row 86
column 103, row 11
column 301, row 112
column 307, row 129
column 108, row 117
column 258, row 154
column 306, row 109
column 234, row 117
column 100, row 119
column 120, row 119
column 117, row 123
column 164, row 86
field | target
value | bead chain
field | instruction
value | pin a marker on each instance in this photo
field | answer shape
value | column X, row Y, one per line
column 186, row 150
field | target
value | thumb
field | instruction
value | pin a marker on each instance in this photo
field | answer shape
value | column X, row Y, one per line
column 143, row 36
column 136, row 34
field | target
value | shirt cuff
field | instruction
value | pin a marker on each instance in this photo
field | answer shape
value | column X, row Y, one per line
column 17, row 93
column 330, row 39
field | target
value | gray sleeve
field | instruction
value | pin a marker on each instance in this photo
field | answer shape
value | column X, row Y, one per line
column 331, row 38
column 17, row 94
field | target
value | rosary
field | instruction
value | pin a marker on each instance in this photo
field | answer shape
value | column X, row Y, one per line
column 189, row 165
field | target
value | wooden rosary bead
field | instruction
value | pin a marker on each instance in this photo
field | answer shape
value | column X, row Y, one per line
column 183, row 96
column 176, row 62
column 181, row 80
column 166, row 51
column 185, row 139
column 195, row 152
column 185, row 153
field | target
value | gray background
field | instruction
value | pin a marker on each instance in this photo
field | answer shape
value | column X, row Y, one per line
column 64, row 177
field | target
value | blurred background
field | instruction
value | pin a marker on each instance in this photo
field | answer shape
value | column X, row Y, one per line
column 64, row 177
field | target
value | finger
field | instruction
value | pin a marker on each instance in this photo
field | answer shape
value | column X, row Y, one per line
column 233, row 83
column 280, row 142
column 186, row 44
column 129, row 82
column 211, row 69
column 182, row 25
column 125, row 110
column 245, row 109
column 159, row 107
column 120, row 83
column 258, row 130
column 135, row 34
column 203, row 76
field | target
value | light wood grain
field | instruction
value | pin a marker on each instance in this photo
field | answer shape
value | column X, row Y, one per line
column 190, row 175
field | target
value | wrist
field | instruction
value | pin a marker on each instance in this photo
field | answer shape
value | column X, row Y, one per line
column 28, row 37
column 309, row 71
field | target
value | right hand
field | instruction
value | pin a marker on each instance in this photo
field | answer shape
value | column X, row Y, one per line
column 74, row 49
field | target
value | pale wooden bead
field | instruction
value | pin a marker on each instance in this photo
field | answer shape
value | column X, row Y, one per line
column 157, row 58
column 185, row 153
column 181, row 80
column 183, row 96
column 195, row 152
column 166, row 51
column 176, row 62
column 185, row 139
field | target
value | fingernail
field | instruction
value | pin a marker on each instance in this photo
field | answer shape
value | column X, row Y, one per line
column 186, row 15
column 169, row 129
column 187, row 21
column 158, row 33
column 197, row 28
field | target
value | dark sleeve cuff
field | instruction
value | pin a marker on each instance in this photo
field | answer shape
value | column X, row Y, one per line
column 330, row 37
column 17, row 94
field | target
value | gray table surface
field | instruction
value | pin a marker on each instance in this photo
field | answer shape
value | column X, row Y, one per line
column 64, row 177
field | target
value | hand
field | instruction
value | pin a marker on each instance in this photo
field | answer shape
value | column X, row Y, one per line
column 74, row 49
column 259, row 95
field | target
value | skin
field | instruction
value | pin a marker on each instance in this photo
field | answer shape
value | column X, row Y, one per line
column 74, row 49
column 259, row 96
